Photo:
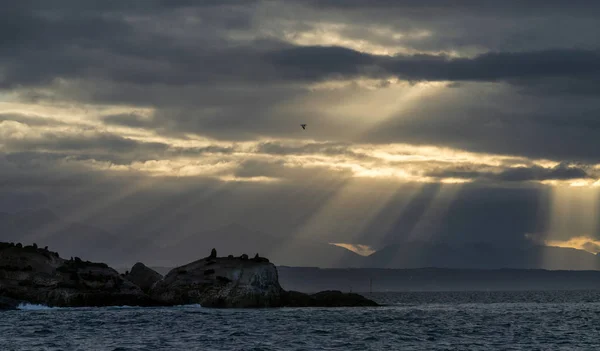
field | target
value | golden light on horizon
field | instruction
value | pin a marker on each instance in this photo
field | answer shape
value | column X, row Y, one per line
column 573, row 220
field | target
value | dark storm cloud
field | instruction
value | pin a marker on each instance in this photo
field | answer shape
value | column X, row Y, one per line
column 278, row 169
column 101, row 43
column 103, row 147
column 30, row 120
column 330, row 149
column 43, row 42
column 202, row 80
column 559, row 172
column 128, row 120
column 512, row 25
column 319, row 62
column 512, row 7
column 104, row 142
column 500, row 121
column 515, row 174
column 34, row 170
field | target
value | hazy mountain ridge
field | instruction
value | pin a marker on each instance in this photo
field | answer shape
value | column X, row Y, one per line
column 125, row 248
column 47, row 229
column 481, row 256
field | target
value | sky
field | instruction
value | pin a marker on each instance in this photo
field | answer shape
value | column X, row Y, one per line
column 429, row 120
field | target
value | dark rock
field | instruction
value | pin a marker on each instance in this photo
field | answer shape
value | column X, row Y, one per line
column 50, row 280
column 230, row 256
column 223, row 279
column 143, row 276
column 33, row 275
column 235, row 283
column 297, row 299
column 8, row 303
column 213, row 253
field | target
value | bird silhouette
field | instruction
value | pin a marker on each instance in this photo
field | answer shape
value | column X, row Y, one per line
column 303, row 126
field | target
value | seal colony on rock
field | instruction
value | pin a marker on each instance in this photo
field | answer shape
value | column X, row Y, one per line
column 39, row 276
column 32, row 275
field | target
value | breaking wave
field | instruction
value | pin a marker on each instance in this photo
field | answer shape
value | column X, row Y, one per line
column 39, row 307
column 34, row 307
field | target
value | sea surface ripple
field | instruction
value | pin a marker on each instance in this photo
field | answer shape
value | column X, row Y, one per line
column 410, row 321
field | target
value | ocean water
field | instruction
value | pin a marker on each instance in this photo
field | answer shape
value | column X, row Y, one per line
column 563, row 320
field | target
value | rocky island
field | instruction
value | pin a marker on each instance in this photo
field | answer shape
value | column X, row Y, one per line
column 29, row 274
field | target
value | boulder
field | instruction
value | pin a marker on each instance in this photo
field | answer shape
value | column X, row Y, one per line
column 234, row 283
column 143, row 276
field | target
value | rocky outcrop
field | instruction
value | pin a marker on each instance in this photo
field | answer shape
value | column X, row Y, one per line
column 33, row 275
column 241, row 283
column 221, row 282
column 36, row 275
column 143, row 276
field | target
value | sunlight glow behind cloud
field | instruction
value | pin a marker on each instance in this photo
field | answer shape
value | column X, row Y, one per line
column 363, row 250
column 586, row 243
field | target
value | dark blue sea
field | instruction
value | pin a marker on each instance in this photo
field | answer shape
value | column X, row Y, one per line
column 560, row 320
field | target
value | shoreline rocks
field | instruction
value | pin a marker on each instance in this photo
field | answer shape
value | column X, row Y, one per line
column 38, row 276
column 143, row 277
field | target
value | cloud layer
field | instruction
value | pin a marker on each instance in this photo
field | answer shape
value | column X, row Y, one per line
column 495, row 97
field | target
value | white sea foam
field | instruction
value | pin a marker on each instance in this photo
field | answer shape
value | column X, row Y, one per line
column 34, row 307
column 195, row 305
column 38, row 307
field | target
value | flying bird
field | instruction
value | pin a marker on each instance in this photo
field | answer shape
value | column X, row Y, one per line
column 303, row 126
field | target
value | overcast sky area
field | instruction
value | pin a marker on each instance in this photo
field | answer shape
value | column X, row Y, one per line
column 452, row 121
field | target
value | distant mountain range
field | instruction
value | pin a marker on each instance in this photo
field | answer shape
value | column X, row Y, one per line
column 481, row 256
column 169, row 249
column 365, row 280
